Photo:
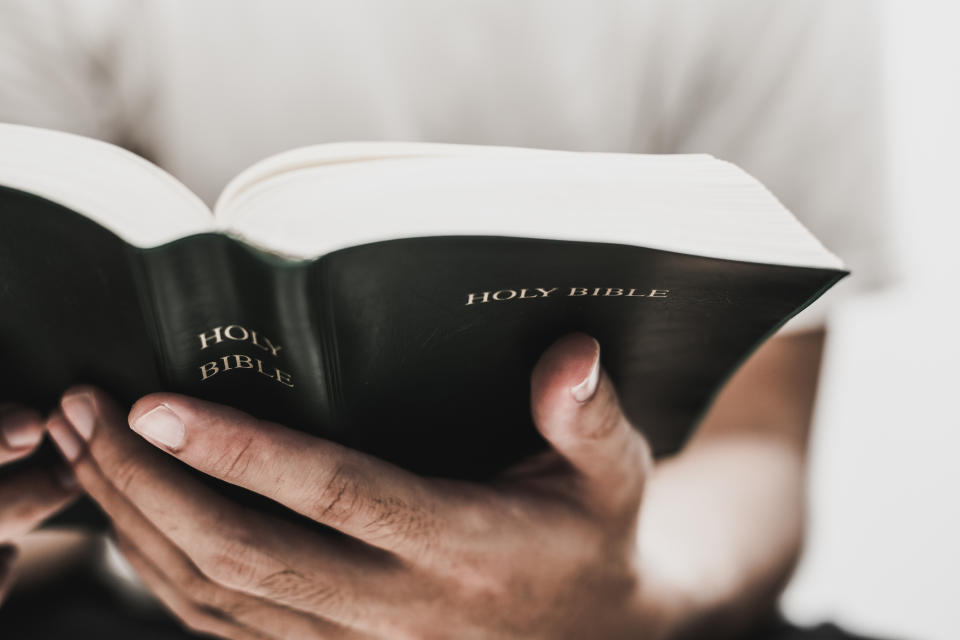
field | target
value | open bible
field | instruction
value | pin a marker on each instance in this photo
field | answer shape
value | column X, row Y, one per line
column 392, row 296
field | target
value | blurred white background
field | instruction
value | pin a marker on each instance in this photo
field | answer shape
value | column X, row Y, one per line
column 883, row 554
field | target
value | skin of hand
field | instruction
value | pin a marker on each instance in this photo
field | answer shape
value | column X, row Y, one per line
column 29, row 496
column 556, row 548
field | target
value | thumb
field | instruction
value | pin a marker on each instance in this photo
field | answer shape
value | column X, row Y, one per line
column 8, row 554
column 575, row 408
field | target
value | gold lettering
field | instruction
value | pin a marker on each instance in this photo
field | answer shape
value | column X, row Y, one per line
column 260, row 369
column 471, row 297
column 228, row 332
column 529, row 293
column 284, row 378
column 274, row 348
column 204, row 339
column 241, row 361
column 208, row 370
column 253, row 341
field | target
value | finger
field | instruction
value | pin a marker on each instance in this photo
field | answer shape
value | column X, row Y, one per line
column 195, row 618
column 234, row 547
column 30, row 496
column 194, row 600
column 250, row 614
column 21, row 431
column 8, row 555
column 576, row 409
column 355, row 493
column 205, row 595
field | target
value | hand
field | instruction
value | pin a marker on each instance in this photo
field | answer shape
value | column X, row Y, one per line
column 30, row 496
column 548, row 551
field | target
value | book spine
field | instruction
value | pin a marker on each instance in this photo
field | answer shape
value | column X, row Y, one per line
column 148, row 310
column 326, row 324
column 303, row 319
column 236, row 326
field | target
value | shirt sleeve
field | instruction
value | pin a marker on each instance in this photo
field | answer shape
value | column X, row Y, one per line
column 791, row 92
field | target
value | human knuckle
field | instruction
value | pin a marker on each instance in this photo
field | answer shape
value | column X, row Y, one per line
column 223, row 604
column 125, row 473
column 393, row 517
column 608, row 419
column 324, row 596
column 476, row 520
column 236, row 564
column 480, row 581
column 284, row 584
column 197, row 588
column 308, row 590
column 235, row 459
column 338, row 496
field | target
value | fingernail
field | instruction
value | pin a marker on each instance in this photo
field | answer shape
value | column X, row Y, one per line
column 584, row 390
column 79, row 410
column 161, row 425
column 65, row 438
column 20, row 429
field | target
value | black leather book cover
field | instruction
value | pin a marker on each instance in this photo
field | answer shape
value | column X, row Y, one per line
column 416, row 350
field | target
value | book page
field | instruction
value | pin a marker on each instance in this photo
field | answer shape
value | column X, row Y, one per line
column 306, row 203
column 130, row 196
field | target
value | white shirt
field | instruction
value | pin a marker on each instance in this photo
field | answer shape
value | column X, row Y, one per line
column 788, row 90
